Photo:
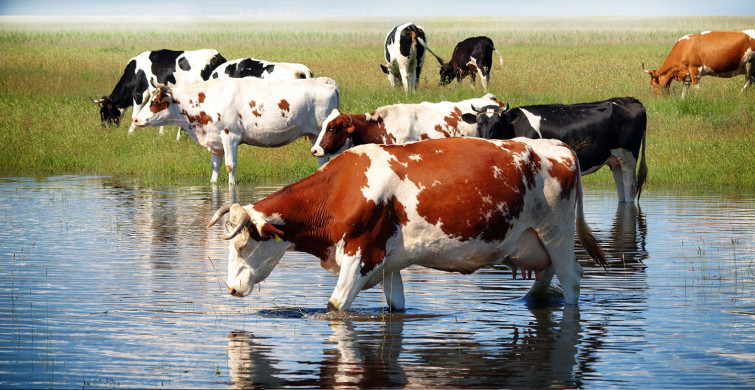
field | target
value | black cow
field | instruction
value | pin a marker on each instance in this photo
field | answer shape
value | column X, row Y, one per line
column 604, row 132
column 166, row 66
column 471, row 56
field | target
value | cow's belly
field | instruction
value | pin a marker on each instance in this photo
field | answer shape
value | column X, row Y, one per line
column 521, row 250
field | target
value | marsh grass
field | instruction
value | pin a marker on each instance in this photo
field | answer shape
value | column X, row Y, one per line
column 49, row 68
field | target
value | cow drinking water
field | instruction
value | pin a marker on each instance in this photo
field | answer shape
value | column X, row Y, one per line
column 608, row 132
column 377, row 209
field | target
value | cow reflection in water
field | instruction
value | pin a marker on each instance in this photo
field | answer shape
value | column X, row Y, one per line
column 549, row 351
column 626, row 244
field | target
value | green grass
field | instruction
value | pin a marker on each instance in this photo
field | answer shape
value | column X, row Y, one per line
column 49, row 68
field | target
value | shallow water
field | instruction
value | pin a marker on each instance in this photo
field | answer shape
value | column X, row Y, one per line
column 109, row 285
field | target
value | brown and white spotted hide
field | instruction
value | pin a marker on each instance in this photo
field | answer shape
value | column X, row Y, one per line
column 223, row 113
column 377, row 209
column 398, row 124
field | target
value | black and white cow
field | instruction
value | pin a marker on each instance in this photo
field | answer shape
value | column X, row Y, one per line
column 405, row 54
column 604, row 132
column 471, row 56
column 251, row 67
column 167, row 66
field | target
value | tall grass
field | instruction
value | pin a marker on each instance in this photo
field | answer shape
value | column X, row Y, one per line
column 49, row 68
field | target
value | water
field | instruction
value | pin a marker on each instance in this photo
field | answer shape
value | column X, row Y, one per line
column 109, row 285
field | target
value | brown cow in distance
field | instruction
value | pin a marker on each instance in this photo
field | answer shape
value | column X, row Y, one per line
column 715, row 53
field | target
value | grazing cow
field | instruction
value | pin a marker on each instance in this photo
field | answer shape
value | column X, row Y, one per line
column 471, row 56
column 398, row 124
column 715, row 53
column 604, row 132
column 404, row 55
column 250, row 67
column 223, row 113
column 167, row 66
column 377, row 209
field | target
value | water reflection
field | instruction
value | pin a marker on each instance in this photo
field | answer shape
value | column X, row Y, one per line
column 550, row 350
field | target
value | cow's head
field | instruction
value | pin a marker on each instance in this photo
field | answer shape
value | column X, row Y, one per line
column 335, row 136
column 109, row 113
column 659, row 83
column 447, row 73
column 157, row 112
column 255, row 247
column 493, row 121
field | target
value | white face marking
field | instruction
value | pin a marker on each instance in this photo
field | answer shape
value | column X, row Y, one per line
column 534, row 121
column 317, row 150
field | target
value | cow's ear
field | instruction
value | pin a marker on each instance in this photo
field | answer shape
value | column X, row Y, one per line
column 384, row 68
column 268, row 231
column 469, row 118
column 350, row 128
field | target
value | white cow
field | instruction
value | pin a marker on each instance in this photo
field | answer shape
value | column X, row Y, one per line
column 251, row 67
column 223, row 113
column 398, row 124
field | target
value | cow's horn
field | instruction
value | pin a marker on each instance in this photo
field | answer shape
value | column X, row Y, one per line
column 646, row 71
column 96, row 101
column 221, row 211
column 245, row 218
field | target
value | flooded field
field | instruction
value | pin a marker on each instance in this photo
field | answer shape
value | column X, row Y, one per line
column 104, row 285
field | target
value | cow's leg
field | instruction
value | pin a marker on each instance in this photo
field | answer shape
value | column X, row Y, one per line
column 393, row 288
column 404, row 78
column 618, row 176
column 230, row 148
column 627, row 166
column 559, row 244
column 217, row 159
column 350, row 280
column 749, row 75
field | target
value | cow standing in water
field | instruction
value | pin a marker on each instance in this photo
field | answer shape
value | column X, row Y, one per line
column 377, row 209
column 165, row 66
column 471, row 56
column 716, row 53
column 404, row 55
column 608, row 132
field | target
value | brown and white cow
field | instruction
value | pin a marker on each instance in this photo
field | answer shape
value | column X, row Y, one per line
column 377, row 209
column 398, row 124
column 715, row 53
column 223, row 113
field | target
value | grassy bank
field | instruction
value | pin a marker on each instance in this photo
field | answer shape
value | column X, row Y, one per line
column 48, row 126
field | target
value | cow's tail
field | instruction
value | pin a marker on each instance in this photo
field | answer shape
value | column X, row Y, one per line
column 584, row 234
column 422, row 42
column 500, row 57
column 642, row 173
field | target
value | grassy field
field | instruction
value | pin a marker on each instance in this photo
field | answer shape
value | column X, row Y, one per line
column 49, row 68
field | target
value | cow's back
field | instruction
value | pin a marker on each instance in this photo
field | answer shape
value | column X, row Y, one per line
column 463, row 187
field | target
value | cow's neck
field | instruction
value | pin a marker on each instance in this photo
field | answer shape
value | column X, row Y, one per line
column 307, row 221
column 367, row 131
